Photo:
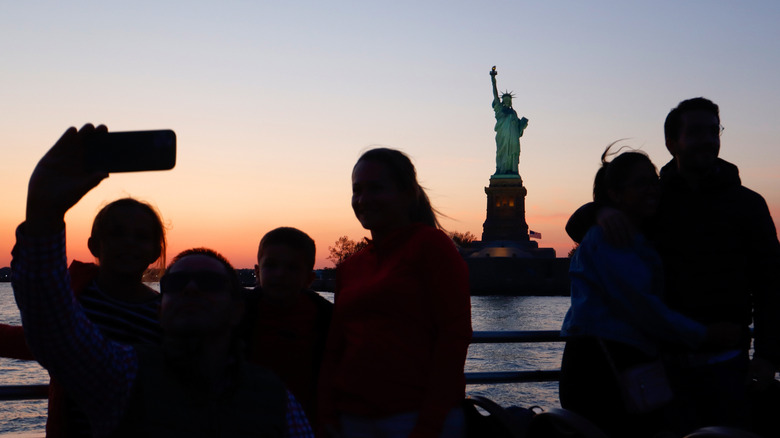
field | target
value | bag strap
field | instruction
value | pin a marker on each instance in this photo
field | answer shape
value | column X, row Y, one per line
column 608, row 356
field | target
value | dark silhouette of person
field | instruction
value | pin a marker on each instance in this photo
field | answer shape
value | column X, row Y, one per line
column 618, row 319
column 195, row 383
column 721, row 256
column 402, row 316
column 286, row 323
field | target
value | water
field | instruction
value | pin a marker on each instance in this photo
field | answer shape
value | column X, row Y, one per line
column 488, row 313
column 501, row 313
column 25, row 415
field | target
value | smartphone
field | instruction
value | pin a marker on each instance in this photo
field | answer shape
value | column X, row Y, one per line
column 131, row 151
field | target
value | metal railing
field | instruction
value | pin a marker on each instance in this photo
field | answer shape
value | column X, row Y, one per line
column 23, row 392
column 32, row 392
column 508, row 337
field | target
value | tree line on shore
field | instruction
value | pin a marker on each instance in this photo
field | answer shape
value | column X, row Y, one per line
column 340, row 251
column 345, row 247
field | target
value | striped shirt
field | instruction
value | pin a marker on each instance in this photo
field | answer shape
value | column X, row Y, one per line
column 121, row 321
column 124, row 322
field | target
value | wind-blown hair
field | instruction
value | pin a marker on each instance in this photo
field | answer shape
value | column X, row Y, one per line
column 403, row 173
column 613, row 174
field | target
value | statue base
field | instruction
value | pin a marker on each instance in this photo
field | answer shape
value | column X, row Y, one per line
column 507, row 261
column 505, row 176
column 505, row 232
column 505, row 209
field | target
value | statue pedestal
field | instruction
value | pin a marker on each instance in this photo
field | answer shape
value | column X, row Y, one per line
column 507, row 261
column 505, row 210
column 505, row 232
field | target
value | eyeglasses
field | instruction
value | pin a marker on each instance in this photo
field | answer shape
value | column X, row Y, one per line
column 175, row 282
column 698, row 130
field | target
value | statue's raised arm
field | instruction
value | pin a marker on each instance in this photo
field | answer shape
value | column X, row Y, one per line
column 509, row 128
column 493, row 74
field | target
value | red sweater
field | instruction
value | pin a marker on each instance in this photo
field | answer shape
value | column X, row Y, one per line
column 287, row 341
column 400, row 331
column 13, row 344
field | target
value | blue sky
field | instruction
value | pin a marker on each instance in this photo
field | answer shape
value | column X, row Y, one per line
column 273, row 102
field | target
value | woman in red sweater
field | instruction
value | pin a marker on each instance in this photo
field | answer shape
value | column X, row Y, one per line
column 402, row 319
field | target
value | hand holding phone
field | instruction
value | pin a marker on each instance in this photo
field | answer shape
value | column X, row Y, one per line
column 131, row 151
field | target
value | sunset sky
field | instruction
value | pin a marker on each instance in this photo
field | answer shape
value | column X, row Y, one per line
column 273, row 102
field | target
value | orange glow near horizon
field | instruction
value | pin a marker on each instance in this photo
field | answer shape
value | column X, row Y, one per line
column 269, row 129
column 239, row 244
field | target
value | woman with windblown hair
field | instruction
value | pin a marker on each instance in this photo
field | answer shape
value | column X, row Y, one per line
column 401, row 323
column 618, row 319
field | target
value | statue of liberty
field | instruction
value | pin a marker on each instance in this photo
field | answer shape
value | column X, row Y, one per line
column 509, row 128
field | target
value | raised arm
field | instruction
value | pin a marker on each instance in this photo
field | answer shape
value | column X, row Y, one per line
column 58, row 332
column 59, row 181
column 493, row 74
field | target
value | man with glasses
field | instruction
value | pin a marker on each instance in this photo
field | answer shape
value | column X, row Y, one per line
column 195, row 384
column 721, row 262
column 721, row 258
